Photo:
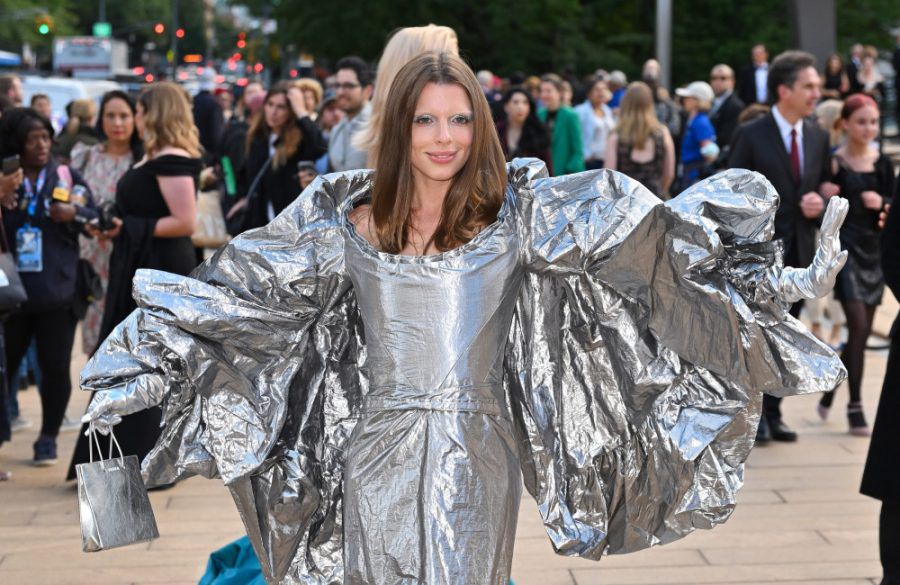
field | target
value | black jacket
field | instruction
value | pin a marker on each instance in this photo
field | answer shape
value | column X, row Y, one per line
column 725, row 119
column 881, row 477
column 758, row 146
column 54, row 286
column 210, row 122
column 746, row 87
column 278, row 186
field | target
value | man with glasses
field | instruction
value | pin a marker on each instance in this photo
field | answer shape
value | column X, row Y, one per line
column 726, row 106
column 353, row 84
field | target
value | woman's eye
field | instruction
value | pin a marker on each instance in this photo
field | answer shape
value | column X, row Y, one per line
column 423, row 120
column 461, row 119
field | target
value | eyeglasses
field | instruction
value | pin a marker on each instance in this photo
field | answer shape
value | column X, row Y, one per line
column 345, row 86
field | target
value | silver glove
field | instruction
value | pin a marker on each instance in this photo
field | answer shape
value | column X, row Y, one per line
column 794, row 284
column 107, row 407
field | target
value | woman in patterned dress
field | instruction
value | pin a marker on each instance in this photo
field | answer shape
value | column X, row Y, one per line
column 102, row 165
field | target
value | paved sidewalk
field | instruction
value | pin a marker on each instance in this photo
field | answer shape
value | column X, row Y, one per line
column 800, row 519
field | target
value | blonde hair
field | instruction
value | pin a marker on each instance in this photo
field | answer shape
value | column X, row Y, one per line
column 476, row 192
column 308, row 84
column 637, row 116
column 168, row 119
column 81, row 113
column 828, row 117
column 405, row 44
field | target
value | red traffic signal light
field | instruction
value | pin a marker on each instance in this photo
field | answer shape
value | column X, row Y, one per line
column 159, row 28
column 241, row 44
column 179, row 33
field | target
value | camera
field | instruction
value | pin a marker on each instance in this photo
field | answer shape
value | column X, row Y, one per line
column 105, row 220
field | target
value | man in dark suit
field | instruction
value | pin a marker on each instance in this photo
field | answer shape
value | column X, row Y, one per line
column 793, row 154
column 753, row 81
column 726, row 106
column 856, row 55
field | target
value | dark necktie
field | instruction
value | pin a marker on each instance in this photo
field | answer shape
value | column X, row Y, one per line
column 795, row 157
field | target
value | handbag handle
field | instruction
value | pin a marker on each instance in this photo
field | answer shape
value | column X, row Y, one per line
column 92, row 432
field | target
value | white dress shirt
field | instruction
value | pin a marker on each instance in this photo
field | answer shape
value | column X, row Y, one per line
column 784, row 128
column 762, row 79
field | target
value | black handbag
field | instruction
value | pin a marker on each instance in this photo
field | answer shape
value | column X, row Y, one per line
column 239, row 222
column 12, row 291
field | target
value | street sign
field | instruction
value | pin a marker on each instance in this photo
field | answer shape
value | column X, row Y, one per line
column 102, row 29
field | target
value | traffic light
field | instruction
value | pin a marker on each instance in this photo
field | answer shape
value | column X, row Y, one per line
column 159, row 28
column 43, row 24
column 179, row 33
column 242, row 40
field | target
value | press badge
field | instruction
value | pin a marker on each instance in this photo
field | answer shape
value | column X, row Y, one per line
column 29, row 250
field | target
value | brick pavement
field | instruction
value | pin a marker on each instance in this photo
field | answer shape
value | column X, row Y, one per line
column 800, row 520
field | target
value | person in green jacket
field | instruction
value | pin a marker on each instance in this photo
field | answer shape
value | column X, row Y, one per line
column 565, row 129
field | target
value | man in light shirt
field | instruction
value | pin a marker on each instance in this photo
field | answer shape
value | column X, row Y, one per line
column 353, row 84
column 793, row 154
column 753, row 85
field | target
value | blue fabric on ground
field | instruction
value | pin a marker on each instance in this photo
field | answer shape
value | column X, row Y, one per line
column 233, row 564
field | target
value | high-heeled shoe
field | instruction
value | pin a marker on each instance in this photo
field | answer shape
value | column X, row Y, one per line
column 858, row 425
column 822, row 411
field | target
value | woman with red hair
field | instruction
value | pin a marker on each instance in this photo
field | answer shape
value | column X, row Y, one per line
column 865, row 177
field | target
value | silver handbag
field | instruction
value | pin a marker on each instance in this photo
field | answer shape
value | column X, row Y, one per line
column 112, row 500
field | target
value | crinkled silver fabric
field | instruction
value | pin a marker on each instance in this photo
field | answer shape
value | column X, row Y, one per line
column 372, row 413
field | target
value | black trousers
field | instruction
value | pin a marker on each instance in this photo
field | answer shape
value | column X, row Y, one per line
column 54, row 332
column 772, row 404
column 889, row 542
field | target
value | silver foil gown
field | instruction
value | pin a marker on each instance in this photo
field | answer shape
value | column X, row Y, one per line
column 372, row 413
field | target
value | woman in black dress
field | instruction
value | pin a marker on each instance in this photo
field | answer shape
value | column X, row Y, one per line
column 155, row 215
column 837, row 84
column 280, row 136
column 881, row 478
column 521, row 133
column 866, row 179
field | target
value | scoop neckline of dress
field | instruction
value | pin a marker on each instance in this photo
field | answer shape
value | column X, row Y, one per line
column 368, row 248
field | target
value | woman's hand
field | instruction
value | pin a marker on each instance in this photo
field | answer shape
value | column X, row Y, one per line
column 62, row 212
column 9, row 199
column 793, row 284
column 828, row 190
column 106, row 410
column 298, row 102
column 236, row 207
column 104, row 235
column 872, row 200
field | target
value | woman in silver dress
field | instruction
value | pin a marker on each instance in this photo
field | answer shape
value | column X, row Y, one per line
column 374, row 372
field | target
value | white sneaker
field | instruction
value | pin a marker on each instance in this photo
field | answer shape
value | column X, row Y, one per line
column 68, row 425
column 19, row 424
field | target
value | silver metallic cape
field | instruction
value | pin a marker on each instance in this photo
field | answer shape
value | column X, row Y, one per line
column 371, row 413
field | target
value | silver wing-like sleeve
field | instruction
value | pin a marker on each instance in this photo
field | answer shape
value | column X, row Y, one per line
column 643, row 339
column 249, row 359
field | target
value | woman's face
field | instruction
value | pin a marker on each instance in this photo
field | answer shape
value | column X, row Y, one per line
column 276, row 111
column 599, row 93
column 834, row 65
column 517, row 108
column 862, row 125
column 139, row 119
column 118, row 121
column 309, row 99
column 442, row 132
column 36, row 150
column 550, row 96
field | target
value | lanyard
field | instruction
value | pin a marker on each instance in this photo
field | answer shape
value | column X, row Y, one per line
column 33, row 193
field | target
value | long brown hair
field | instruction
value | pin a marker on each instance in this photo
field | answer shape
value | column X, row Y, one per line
column 168, row 119
column 476, row 192
column 637, row 117
column 291, row 135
